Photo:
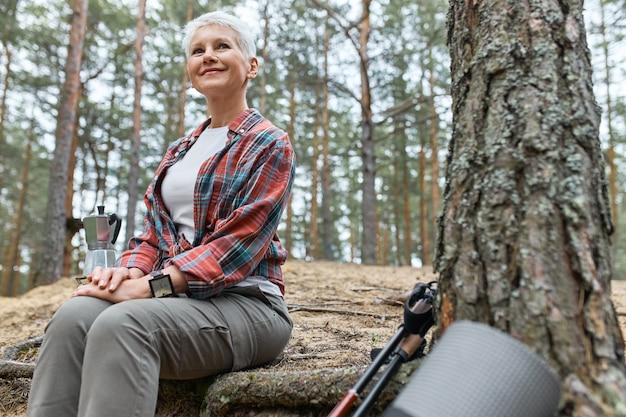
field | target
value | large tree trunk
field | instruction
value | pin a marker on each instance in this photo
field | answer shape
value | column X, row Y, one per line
column 51, row 258
column 524, row 238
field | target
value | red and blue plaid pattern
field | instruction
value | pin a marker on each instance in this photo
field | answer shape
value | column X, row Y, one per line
column 239, row 197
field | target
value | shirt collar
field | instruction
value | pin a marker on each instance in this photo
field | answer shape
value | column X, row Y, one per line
column 242, row 124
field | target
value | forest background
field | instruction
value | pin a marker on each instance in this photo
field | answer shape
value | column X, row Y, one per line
column 367, row 109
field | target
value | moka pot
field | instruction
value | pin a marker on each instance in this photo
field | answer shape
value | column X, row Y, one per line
column 101, row 231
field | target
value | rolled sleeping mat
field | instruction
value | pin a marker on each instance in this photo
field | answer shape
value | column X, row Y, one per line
column 478, row 371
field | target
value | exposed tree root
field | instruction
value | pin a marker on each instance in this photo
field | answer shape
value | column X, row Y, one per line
column 259, row 392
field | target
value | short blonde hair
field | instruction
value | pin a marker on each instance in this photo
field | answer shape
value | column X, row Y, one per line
column 244, row 34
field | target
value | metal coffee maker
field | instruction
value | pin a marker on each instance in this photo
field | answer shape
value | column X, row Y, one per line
column 101, row 231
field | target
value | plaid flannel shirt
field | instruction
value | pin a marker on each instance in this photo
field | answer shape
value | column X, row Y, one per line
column 239, row 198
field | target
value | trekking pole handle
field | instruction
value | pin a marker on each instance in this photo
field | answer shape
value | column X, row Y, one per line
column 418, row 315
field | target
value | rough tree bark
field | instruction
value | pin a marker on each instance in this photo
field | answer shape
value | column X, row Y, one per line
column 524, row 239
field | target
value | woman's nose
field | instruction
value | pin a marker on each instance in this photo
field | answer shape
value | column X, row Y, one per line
column 209, row 55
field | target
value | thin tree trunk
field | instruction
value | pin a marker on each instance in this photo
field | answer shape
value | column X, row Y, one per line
column 524, row 238
column 291, row 132
column 183, row 83
column 12, row 259
column 313, row 239
column 609, row 119
column 397, row 205
column 434, row 166
column 51, row 258
column 406, row 200
column 3, row 108
column 264, row 55
column 327, row 216
column 368, row 154
column 384, row 246
column 133, row 177
column 423, row 214
column 72, row 226
column 6, row 32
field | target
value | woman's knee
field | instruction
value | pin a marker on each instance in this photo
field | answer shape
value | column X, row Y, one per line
column 76, row 315
column 122, row 321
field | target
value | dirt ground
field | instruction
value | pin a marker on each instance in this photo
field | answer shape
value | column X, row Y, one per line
column 340, row 312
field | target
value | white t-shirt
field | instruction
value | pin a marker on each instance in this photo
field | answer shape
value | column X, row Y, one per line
column 180, row 180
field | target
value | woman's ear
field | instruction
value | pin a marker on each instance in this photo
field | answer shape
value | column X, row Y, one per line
column 254, row 68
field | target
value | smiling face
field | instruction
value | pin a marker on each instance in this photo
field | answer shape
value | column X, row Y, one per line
column 218, row 68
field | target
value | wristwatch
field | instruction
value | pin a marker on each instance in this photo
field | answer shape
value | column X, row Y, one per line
column 160, row 284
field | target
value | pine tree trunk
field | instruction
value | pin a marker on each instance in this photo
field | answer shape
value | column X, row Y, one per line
column 609, row 118
column 183, row 86
column 72, row 226
column 313, row 235
column 368, row 154
column 10, row 12
column 133, row 178
column 423, row 212
column 406, row 201
column 12, row 260
column 434, row 164
column 51, row 258
column 524, row 238
column 327, row 217
column 291, row 132
column 396, row 190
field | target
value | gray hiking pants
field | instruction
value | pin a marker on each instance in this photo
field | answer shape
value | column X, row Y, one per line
column 104, row 360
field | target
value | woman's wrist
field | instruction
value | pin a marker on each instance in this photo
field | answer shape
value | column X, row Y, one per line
column 135, row 273
column 179, row 281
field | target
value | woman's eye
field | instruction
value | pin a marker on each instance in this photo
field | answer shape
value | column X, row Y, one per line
column 196, row 51
column 223, row 46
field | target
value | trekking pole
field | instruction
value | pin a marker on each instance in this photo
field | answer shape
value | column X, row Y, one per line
column 354, row 393
column 417, row 320
column 409, row 345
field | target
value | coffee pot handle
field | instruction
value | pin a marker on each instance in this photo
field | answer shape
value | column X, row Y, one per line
column 114, row 218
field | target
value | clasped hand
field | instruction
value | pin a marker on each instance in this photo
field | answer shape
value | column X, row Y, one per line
column 115, row 284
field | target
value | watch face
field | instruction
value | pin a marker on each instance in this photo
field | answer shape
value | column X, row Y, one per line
column 161, row 286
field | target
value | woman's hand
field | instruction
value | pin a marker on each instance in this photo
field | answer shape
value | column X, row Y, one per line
column 126, row 289
column 111, row 278
column 122, row 284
